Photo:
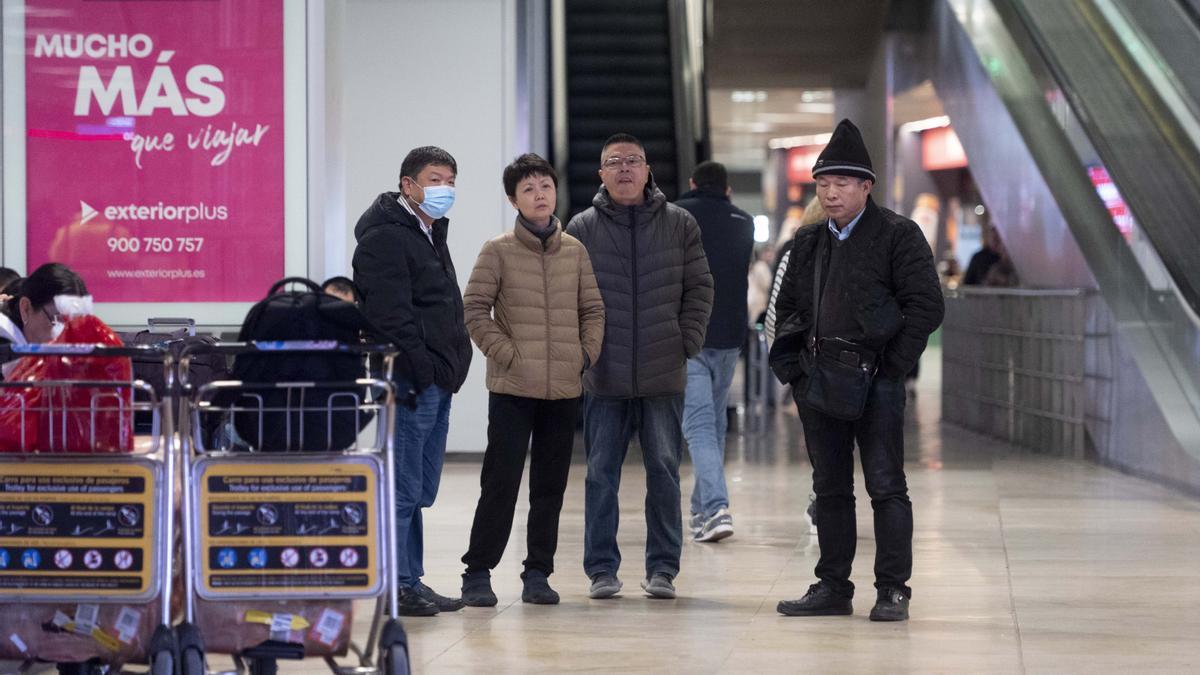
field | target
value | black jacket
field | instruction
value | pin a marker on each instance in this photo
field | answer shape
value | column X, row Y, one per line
column 978, row 268
column 650, row 266
column 728, row 236
column 409, row 290
column 896, row 297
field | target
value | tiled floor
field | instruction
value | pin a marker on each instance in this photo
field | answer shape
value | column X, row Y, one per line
column 1022, row 564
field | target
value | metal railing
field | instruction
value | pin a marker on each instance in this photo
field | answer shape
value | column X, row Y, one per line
column 759, row 381
column 1016, row 365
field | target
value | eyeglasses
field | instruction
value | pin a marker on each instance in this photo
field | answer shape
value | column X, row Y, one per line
column 632, row 162
column 52, row 318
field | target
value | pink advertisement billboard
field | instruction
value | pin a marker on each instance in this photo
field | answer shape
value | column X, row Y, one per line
column 155, row 148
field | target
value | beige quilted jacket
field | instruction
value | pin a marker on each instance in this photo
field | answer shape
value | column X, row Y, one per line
column 535, row 311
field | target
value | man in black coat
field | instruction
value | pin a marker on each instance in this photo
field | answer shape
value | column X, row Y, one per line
column 409, row 290
column 879, row 300
column 728, row 236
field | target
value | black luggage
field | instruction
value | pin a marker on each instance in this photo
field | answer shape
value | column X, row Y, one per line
column 204, row 368
column 270, row 418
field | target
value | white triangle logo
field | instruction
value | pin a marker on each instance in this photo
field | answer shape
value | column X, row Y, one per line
column 86, row 212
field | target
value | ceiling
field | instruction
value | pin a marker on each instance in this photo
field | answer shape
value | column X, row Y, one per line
column 742, row 121
column 793, row 43
column 773, row 67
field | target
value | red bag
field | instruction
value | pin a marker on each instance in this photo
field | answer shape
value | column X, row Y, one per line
column 60, row 419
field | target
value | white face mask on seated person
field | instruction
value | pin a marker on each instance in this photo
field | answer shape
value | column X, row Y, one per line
column 46, row 323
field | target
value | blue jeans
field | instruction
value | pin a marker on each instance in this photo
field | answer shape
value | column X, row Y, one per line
column 419, row 453
column 704, row 425
column 608, row 427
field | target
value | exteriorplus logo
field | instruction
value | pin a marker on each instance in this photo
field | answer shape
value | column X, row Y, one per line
column 188, row 213
column 86, row 212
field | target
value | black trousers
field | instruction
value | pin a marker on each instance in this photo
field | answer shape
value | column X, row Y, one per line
column 880, row 437
column 513, row 422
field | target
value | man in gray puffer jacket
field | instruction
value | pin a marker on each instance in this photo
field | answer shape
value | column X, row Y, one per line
column 658, row 292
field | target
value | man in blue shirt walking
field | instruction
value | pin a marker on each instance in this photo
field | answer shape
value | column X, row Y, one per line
column 728, row 236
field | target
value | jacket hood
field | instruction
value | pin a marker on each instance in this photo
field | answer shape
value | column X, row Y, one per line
column 654, row 201
column 702, row 193
column 385, row 210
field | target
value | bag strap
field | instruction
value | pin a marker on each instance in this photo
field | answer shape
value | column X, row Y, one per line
column 816, row 303
column 308, row 283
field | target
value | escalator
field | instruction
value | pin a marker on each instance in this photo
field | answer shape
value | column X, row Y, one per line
column 620, row 67
column 1108, row 86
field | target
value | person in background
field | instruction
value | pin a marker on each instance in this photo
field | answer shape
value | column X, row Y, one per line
column 7, row 276
column 403, row 270
column 992, row 252
column 813, row 213
column 758, row 285
column 727, row 233
column 533, row 308
column 653, row 276
column 342, row 288
column 30, row 314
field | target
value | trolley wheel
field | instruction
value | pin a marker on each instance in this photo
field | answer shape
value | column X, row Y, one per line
column 395, row 660
column 261, row 666
column 193, row 663
column 191, row 649
column 163, row 663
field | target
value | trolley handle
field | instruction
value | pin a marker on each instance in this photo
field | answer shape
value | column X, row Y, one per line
column 168, row 321
column 91, row 350
column 283, row 347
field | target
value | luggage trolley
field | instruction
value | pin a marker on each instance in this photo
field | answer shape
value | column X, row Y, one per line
column 86, row 515
column 288, row 515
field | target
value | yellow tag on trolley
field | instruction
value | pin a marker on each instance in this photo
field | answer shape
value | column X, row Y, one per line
column 82, row 529
column 289, row 528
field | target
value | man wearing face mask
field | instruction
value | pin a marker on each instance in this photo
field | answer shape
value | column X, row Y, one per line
column 409, row 290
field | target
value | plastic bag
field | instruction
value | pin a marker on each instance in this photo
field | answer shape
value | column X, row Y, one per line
column 46, row 418
column 231, row 627
column 121, row 633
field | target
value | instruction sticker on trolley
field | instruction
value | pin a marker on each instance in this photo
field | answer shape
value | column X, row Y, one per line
column 288, row 528
column 77, row 530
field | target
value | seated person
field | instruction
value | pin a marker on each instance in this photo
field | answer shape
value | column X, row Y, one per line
column 341, row 287
column 30, row 315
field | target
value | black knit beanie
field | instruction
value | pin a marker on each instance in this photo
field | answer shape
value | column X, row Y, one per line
column 846, row 154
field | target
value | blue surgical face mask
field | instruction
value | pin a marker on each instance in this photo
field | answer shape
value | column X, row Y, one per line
column 438, row 200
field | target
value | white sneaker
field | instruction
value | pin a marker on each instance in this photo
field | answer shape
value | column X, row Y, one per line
column 719, row 527
column 696, row 523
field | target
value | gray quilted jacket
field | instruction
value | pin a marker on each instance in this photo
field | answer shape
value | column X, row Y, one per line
column 653, row 275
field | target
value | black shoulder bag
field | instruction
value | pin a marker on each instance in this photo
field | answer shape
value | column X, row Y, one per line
column 840, row 379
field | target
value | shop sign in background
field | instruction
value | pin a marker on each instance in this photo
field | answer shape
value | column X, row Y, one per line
column 155, row 149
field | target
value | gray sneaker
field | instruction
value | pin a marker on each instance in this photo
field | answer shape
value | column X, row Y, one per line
column 604, row 586
column 719, row 527
column 696, row 522
column 659, row 586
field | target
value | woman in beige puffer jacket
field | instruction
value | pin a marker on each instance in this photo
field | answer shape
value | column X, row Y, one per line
column 533, row 308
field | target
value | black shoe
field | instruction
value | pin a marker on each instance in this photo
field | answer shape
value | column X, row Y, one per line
column 892, row 605
column 537, row 590
column 442, row 603
column 477, row 591
column 412, row 604
column 820, row 600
